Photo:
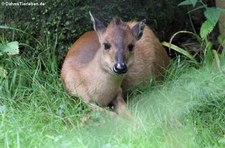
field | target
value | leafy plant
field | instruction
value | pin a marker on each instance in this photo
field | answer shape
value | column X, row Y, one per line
column 11, row 48
column 188, row 2
column 212, row 15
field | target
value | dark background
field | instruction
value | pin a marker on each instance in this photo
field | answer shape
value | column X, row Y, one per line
column 61, row 23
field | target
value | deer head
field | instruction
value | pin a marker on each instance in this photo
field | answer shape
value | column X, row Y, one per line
column 117, row 42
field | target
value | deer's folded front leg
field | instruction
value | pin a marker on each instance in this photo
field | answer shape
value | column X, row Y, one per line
column 121, row 106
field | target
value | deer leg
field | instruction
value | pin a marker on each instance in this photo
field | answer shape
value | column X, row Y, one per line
column 82, row 93
column 121, row 106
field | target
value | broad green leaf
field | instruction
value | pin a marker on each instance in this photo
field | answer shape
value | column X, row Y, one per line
column 212, row 15
column 3, row 72
column 206, row 28
column 180, row 50
column 221, row 40
column 188, row 2
column 11, row 48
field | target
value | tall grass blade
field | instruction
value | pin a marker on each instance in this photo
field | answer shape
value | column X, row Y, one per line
column 180, row 50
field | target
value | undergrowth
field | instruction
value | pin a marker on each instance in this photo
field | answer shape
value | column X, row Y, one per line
column 185, row 111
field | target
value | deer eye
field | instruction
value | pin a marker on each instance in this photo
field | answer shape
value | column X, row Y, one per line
column 106, row 46
column 130, row 47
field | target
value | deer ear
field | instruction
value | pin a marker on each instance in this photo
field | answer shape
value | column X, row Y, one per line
column 97, row 25
column 138, row 29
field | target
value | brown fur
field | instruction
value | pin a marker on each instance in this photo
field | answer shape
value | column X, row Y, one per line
column 87, row 71
column 150, row 60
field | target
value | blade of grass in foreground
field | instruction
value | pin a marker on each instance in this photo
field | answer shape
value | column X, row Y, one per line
column 166, row 116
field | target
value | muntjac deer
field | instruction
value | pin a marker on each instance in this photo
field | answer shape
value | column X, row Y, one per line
column 104, row 63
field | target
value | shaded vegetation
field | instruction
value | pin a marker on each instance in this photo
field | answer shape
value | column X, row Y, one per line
column 66, row 21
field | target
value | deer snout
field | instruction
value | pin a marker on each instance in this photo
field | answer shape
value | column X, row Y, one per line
column 120, row 68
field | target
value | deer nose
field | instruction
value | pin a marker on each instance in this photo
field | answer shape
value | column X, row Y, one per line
column 120, row 68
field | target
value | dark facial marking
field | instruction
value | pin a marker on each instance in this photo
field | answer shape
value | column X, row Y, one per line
column 130, row 47
column 120, row 55
column 106, row 46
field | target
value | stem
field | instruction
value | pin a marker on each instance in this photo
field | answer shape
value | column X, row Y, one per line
column 192, row 25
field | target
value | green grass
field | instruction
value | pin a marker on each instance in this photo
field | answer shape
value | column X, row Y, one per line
column 185, row 111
